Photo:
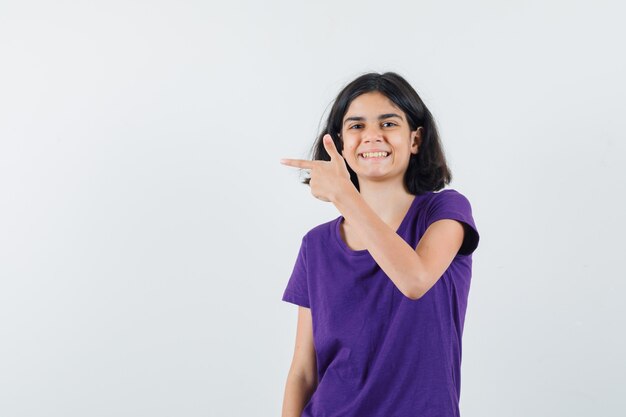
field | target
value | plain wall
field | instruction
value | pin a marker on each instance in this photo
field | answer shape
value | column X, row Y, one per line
column 148, row 230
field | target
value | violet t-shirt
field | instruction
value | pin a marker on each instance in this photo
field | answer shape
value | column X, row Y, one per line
column 379, row 353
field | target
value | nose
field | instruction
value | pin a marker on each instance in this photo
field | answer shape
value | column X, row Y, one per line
column 372, row 133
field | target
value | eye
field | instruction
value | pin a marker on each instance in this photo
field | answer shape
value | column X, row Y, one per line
column 391, row 123
column 354, row 125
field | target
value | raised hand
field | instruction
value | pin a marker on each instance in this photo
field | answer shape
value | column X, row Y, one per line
column 327, row 177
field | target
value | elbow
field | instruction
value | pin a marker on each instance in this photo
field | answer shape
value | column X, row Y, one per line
column 420, row 289
column 415, row 291
column 415, row 283
column 413, row 295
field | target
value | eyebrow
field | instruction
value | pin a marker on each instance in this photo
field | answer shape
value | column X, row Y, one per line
column 381, row 117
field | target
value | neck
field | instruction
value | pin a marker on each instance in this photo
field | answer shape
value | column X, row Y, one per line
column 387, row 200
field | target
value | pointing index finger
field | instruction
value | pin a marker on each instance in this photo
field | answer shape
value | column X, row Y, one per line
column 298, row 163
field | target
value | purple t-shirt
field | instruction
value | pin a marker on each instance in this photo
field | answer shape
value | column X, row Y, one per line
column 379, row 353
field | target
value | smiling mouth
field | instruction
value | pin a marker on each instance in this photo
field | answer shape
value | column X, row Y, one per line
column 374, row 155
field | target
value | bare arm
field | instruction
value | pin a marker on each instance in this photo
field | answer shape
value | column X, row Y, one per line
column 413, row 271
column 302, row 377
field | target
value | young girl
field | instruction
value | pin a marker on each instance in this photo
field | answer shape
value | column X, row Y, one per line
column 382, row 289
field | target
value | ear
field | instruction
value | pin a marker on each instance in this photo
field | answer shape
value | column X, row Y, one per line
column 416, row 139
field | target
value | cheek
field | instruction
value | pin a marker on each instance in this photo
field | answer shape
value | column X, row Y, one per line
column 348, row 146
column 348, row 153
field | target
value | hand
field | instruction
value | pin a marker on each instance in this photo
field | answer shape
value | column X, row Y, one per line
column 327, row 177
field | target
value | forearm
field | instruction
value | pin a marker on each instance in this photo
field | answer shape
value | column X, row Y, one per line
column 394, row 256
column 298, row 391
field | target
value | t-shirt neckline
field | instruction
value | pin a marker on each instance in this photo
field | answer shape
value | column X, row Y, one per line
column 361, row 252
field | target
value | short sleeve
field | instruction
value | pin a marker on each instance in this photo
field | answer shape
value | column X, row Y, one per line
column 297, row 291
column 450, row 204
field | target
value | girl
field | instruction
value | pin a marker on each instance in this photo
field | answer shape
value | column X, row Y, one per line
column 382, row 289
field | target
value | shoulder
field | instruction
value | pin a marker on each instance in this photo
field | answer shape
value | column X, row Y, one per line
column 322, row 231
column 451, row 204
column 448, row 193
column 450, row 198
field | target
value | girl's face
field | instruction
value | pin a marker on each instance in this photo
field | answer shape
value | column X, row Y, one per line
column 373, row 123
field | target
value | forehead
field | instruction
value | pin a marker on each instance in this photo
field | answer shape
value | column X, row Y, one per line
column 372, row 103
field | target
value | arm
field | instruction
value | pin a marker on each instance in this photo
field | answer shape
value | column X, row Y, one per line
column 413, row 271
column 302, row 378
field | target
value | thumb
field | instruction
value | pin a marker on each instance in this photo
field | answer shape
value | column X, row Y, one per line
column 330, row 147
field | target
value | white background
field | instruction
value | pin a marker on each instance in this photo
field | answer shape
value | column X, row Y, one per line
column 147, row 228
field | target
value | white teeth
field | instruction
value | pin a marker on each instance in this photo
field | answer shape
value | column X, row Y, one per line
column 374, row 154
